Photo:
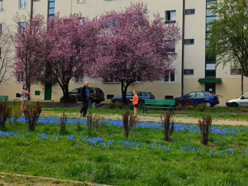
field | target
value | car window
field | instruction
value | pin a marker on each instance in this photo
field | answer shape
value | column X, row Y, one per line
column 141, row 94
column 190, row 95
column 98, row 90
column 200, row 94
column 245, row 96
column 74, row 91
column 129, row 94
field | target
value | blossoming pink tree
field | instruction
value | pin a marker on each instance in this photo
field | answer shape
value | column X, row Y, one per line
column 26, row 41
column 131, row 47
column 67, row 51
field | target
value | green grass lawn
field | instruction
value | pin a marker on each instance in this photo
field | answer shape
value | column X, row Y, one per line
column 215, row 112
column 74, row 160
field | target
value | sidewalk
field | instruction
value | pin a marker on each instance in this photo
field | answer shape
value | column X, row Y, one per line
column 157, row 119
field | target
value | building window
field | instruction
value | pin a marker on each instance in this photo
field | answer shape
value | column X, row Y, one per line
column 23, row 4
column 170, row 17
column 170, row 46
column 189, row 11
column 20, row 77
column 188, row 71
column 82, row 20
column 235, row 72
column 81, row 1
column 51, row 8
column 79, row 79
column 189, row 41
column 1, row 5
column 21, row 25
column 111, row 80
column 210, row 66
column 210, row 73
column 1, row 28
column 170, row 77
column 0, row 53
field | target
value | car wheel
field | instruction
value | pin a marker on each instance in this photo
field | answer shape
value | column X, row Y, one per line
column 141, row 103
column 117, row 101
column 234, row 104
column 208, row 104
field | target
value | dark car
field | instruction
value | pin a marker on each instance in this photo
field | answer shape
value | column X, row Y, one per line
column 96, row 95
column 142, row 97
column 198, row 97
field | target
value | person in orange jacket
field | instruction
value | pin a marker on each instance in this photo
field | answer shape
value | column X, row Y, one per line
column 135, row 101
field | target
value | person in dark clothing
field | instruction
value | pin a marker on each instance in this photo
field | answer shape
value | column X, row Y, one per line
column 85, row 96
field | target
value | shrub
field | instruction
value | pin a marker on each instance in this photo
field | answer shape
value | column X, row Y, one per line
column 189, row 107
column 201, row 107
column 205, row 128
column 5, row 114
column 63, row 120
column 111, row 105
column 32, row 115
column 129, row 123
column 130, row 106
column 244, row 110
column 95, row 122
column 168, row 125
column 177, row 102
column 189, row 102
column 119, row 105
column 179, row 107
column 231, row 109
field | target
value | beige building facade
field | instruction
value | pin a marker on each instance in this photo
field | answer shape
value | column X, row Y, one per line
column 198, row 72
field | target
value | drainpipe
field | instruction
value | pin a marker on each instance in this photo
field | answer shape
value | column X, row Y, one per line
column 183, row 24
column 32, row 9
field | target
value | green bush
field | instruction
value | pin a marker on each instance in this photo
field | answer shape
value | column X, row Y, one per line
column 119, row 105
column 179, row 107
column 244, row 110
column 201, row 107
column 231, row 109
column 189, row 107
column 111, row 105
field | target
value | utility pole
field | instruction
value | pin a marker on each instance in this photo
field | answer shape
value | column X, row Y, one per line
column 242, row 72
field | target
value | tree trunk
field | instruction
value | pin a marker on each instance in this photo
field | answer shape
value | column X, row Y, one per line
column 65, row 88
column 124, row 92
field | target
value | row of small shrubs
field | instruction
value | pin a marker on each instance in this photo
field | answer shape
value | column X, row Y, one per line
column 119, row 105
column 201, row 107
column 31, row 115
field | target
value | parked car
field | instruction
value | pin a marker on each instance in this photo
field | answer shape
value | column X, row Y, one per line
column 96, row 95
column 142, row 97
column 238, row 102
column 198, row 97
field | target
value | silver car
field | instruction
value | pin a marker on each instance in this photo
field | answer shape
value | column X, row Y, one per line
column 238, row 102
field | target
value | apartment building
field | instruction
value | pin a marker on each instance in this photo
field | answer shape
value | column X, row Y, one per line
column 195, row 71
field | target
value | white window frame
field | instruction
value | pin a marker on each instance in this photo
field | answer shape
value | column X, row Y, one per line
column 81, row 1
column 1, row 5
column 23, row 3
column 169, row 79
column 235, row 71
